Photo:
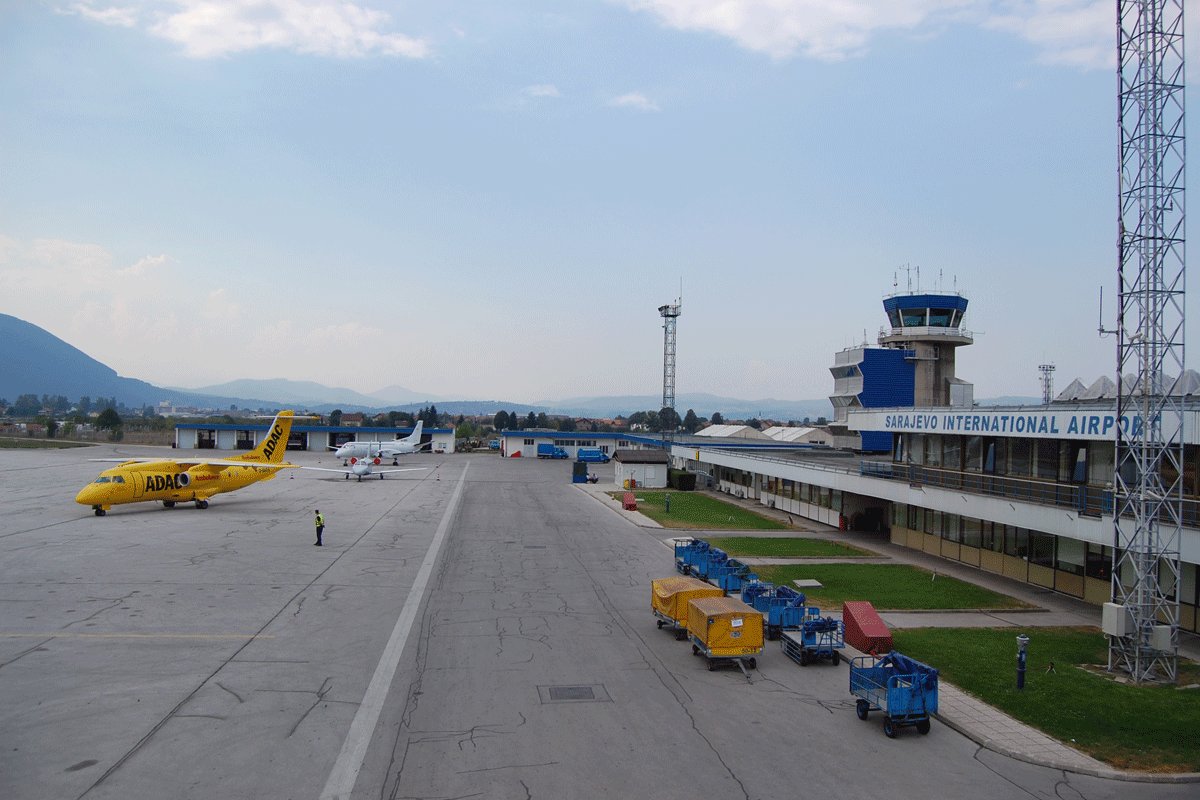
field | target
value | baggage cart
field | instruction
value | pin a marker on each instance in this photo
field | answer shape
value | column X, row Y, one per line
column 669, row 599
column 725, row 631
column 904, row 689
column 783, row 606
column 817, row 638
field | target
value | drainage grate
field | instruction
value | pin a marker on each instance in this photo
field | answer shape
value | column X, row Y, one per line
column 591, row 693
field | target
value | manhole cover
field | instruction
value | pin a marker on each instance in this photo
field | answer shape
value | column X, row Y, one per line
column 589, row 693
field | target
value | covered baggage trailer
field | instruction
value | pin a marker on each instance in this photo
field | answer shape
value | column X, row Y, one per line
column 669, row 599
column 904, row 689
column 817, row 638
column 726, row 631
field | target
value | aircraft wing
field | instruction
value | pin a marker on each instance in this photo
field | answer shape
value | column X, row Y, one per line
column 390, row 471
column 196, row 462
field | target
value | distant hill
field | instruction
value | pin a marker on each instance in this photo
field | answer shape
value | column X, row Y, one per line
column 703, row 404
column 34, row 361
column 281, row 390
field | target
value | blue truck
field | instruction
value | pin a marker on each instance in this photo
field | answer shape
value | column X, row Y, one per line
column 592, row 454
column 550, row 451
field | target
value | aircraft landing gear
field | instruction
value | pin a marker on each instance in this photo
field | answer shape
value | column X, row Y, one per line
column 395, row 463
column 345, row 463
column 100, row 512
column 347, row 476
column 381, row 476
column 201, row 504
column 168, row 503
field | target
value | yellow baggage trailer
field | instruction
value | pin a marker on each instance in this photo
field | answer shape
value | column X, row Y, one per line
column 725, row 630
column 669, row 599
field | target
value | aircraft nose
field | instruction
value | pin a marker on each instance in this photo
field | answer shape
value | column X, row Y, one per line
column 88, row 496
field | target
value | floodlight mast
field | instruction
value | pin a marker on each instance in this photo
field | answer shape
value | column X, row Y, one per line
column 1148, row 479
column 670, row 314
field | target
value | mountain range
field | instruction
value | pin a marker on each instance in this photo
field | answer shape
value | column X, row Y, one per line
column 35, row 361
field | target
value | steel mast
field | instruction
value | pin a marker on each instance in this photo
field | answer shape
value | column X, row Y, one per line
column 1143, row 625
column 670, row 314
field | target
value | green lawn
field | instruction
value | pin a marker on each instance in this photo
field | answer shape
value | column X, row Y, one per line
column 694, row 511
column 1143, row 728
column 886, row 586
column 784, row 547
column 18, row 443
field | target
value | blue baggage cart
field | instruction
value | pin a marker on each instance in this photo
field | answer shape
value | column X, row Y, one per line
column 688, row 554
column 904, row 689
column 817, row 638
column 732, row 575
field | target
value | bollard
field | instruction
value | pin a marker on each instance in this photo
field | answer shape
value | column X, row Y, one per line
column 1022, row 643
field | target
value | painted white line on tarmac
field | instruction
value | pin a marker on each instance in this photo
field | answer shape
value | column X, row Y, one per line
column 349, row 761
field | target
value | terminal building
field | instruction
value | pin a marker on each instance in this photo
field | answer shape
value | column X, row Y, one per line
column 1024, row 492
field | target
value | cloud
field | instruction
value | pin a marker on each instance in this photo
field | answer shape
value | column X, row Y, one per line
column 118, row 16
column 1077, row 33
column 213, row 28
column 635, row 100
column 541, row 90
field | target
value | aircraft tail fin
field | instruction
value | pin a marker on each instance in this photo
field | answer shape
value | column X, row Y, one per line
column 272, row 447
column 415, row 436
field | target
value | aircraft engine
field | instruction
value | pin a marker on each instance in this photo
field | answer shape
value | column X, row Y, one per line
column 182, row 479
column 353, row 460
column 376, row 462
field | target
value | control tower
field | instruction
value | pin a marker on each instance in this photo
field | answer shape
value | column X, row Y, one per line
column 913, row 366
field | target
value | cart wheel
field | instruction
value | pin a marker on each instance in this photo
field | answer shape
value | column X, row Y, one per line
column 861, row 708
column 804, row 658
column 695, row 650
column 836, row 659
column 752, row 662
column 889, row 728
column 772, row 633
column 711, row 665
column 659, row 623
column 680, row 635
column 923, row 727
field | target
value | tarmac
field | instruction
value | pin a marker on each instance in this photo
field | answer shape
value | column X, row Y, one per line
column 986, row 725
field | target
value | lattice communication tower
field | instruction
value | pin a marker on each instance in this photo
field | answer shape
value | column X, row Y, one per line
column 1047, row 371
column 670, row 314
column 1143, row 624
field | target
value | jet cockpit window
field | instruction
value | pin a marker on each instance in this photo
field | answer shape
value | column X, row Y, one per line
column 103, row 479
column 118, row 479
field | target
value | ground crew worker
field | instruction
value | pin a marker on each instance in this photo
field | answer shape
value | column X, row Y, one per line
column 320, row 522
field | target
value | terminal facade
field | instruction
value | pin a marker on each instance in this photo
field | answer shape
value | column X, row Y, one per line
column 1024, row 492
column 240, row 436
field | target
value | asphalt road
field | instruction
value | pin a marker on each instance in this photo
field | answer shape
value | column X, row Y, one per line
column 479, row 629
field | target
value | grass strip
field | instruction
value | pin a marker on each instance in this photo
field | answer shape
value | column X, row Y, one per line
column 887, row 586
column 785, row 547
column 14, row 443
column 1148, row 727
column 695, row 511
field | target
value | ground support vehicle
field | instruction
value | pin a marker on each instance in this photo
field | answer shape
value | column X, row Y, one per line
column 783, row 605
column 550, row 451
column 591, row 455
column 904, row 689
column 669, row 598
column 818, row 637
column 725, row 631
column 732, row 575
column 697, row 557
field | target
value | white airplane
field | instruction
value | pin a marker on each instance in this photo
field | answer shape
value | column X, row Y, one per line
column 378, row 450
column 365, row 467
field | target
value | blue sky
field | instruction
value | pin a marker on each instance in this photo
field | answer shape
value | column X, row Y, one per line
column 490, row 200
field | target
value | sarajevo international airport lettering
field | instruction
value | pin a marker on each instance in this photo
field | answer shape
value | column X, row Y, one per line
column 1035, row 424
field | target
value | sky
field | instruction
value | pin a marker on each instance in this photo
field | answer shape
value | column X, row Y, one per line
column 490, row 200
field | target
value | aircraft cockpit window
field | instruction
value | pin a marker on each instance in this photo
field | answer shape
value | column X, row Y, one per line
column 118, row 479
column 102, row 479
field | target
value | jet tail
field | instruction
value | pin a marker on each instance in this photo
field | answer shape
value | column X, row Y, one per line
column 270, row 450
column 414, row 437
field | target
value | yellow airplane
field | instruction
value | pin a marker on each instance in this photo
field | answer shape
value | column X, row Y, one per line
column 175, row 480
